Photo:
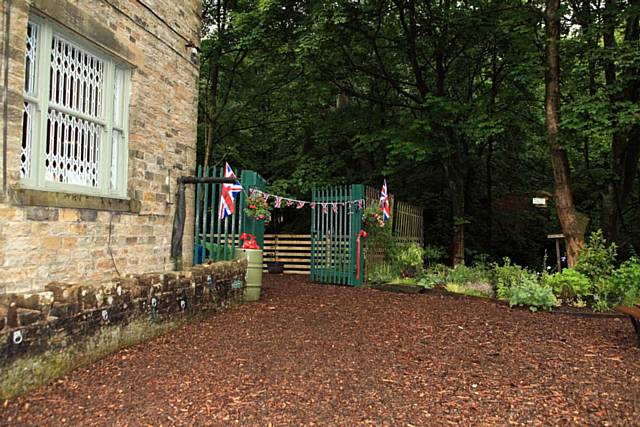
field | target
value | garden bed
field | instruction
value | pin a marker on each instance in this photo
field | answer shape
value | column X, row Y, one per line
column 443, row 292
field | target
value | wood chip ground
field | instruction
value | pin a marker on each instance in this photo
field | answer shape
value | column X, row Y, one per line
column 323, row 355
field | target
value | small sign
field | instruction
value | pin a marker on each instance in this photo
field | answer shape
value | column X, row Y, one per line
column 237, row 284
column 540, row 202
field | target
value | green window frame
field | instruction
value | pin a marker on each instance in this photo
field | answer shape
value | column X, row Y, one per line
column 76, row 113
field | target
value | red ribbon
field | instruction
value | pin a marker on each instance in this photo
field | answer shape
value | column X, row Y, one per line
column 361, row 234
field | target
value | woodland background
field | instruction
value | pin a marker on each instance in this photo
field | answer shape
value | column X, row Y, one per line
column 446, row 99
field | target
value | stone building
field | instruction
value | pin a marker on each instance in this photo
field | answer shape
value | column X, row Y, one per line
column 98, row 119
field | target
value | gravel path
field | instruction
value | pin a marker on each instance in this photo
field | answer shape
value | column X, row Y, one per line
column 327, row 355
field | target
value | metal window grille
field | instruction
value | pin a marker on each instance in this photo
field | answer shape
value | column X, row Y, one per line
column 27, row 137
column 30, row 82
column 74, row 126
column 76, row 79
column 72, row 149
column 30, row 56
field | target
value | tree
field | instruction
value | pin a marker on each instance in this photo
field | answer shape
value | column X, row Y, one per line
column 565, row 207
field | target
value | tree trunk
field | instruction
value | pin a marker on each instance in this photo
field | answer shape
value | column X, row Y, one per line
column 454, row 170
column 559, row 161
column 456, row 180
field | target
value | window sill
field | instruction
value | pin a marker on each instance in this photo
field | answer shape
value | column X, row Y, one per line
column 28, row 197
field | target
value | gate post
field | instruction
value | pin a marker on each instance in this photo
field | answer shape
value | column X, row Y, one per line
column 357, row 193
column 250, row 179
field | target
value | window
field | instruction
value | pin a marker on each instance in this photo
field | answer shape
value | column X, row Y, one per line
column 74, row 126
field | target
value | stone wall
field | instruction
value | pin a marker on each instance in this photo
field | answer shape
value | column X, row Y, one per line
column 58, row 237
column 61, row 325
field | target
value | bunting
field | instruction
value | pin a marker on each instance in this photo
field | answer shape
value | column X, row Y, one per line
column 299, row 204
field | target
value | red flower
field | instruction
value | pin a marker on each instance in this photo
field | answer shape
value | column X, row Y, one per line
column 252, row 206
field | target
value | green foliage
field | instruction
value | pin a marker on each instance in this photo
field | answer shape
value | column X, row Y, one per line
column 597, row 258
column 570, row 285
column 463, row 274
column 507, row 275
column 434, row 254
column 372, row 219
column 382, row 273
column 279, row 68
column 601, row 305
column 626, row 282
column 623, row 287
column 481, row 261
column 410, row 260
column 528, row 292
column 430, row 280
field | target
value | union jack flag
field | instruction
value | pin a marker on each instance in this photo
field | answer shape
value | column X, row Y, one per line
column 384, row 202
column 228, row 194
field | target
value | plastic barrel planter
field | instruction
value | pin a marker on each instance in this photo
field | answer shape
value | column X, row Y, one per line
column 254, row 272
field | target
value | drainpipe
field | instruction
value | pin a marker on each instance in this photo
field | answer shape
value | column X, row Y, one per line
column 179, row 216
column 5, row 91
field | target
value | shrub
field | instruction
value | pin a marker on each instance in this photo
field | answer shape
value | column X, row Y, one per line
column 410, row 260
column 570, row 285
column 507, row 275
column 529, row 292
column 430, row 280
column 481, row 261
column 624, row 286
column 434, row 254
column 596, row 259
column 440, row 270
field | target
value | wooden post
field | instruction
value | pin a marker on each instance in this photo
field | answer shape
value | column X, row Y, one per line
column 557, row 238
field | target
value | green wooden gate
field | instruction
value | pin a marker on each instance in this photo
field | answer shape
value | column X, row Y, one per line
column 216, row 239
column 334, row 233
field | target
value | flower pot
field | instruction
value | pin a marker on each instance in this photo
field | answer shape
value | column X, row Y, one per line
column 275, row 267
column 254, row 272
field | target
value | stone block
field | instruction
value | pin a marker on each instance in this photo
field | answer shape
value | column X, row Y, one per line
column 69, row 215
column 51, row 243
column 63, row 310
column 130, row 286
column 27, row 317
column 37, row 213
column 4, row 311
column 150, row 279
column 7, row 214
column 12, row 316
column 64, row 292
column 89, row 215
column 174, row 280
column 87, row 298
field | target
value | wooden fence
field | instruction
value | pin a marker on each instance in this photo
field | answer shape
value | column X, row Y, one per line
column 293, row 250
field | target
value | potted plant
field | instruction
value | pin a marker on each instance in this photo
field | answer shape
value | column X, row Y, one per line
column 253, row 254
